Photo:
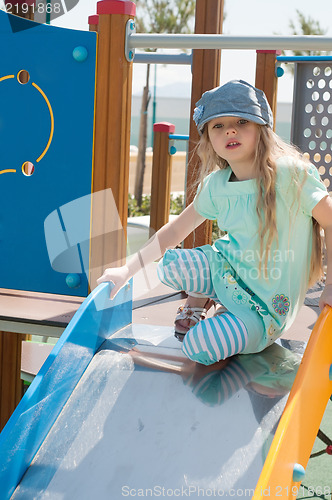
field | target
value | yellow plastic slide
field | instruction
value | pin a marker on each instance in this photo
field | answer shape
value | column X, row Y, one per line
column 290, row 450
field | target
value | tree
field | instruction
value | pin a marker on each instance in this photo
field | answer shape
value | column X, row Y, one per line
column 305, row 26
column 164, row 16
column 157, row 16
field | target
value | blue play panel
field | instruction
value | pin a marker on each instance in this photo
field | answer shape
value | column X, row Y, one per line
column 47, row 89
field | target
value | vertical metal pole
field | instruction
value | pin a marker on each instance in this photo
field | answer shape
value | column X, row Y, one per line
column 48, row 11
column 154, row 104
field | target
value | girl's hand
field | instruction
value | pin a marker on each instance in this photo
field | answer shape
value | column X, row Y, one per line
column 326, row 297
column 119, row 276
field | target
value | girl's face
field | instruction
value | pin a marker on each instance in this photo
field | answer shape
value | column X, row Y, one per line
column 234, row 139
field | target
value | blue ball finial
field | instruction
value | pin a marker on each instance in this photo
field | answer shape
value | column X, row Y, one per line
column 298, row 473
column 80, row 54
column 73, row 280
column 172, row 150
column 279, row 71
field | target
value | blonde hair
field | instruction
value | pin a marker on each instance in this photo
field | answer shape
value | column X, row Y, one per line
column 270, row 147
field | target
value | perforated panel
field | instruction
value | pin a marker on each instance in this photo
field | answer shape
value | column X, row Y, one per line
column 312, row 115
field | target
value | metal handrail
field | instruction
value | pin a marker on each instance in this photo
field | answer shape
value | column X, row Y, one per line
column 207, row 41
column 304, row 58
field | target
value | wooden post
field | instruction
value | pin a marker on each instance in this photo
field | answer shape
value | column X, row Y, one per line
column 205, row 76
column 266, row 78
column 93, row 22
column 112, row 137
column 161, row 176
column 11, row 386
column 21, row 8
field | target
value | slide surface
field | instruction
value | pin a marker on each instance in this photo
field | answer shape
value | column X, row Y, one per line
column 145, row 421
column 298, row 428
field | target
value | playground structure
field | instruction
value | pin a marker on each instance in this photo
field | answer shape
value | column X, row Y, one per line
column 116, row 38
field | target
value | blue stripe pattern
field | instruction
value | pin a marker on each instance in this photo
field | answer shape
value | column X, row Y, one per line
column 219, row 386
column 215, row 338
column 187, row 270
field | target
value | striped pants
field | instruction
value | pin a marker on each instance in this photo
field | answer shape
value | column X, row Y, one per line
column 212, row 339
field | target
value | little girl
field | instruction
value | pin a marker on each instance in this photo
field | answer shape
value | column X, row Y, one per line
column 271, row 203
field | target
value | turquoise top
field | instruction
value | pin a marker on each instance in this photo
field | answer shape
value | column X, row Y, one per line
column 235, row 259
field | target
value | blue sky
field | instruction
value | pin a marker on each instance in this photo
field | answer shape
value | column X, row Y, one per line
column 243, row 17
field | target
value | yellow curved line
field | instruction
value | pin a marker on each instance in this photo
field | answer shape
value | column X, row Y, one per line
column 6, row 77
column 8, row 171
column 52, row 121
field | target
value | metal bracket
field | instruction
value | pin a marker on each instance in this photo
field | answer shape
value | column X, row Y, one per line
column 130, row 29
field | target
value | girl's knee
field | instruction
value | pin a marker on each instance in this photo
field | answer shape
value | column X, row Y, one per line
column 215, row 338
column 193, row 349
column 162, row 269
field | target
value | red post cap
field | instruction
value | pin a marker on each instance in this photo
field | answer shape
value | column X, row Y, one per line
column 164, row 127
column 276, row 52
column 93, row 20
column 20, row 2
column 116, row 7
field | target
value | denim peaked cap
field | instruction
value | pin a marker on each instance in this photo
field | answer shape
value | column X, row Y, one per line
column 235, row 98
